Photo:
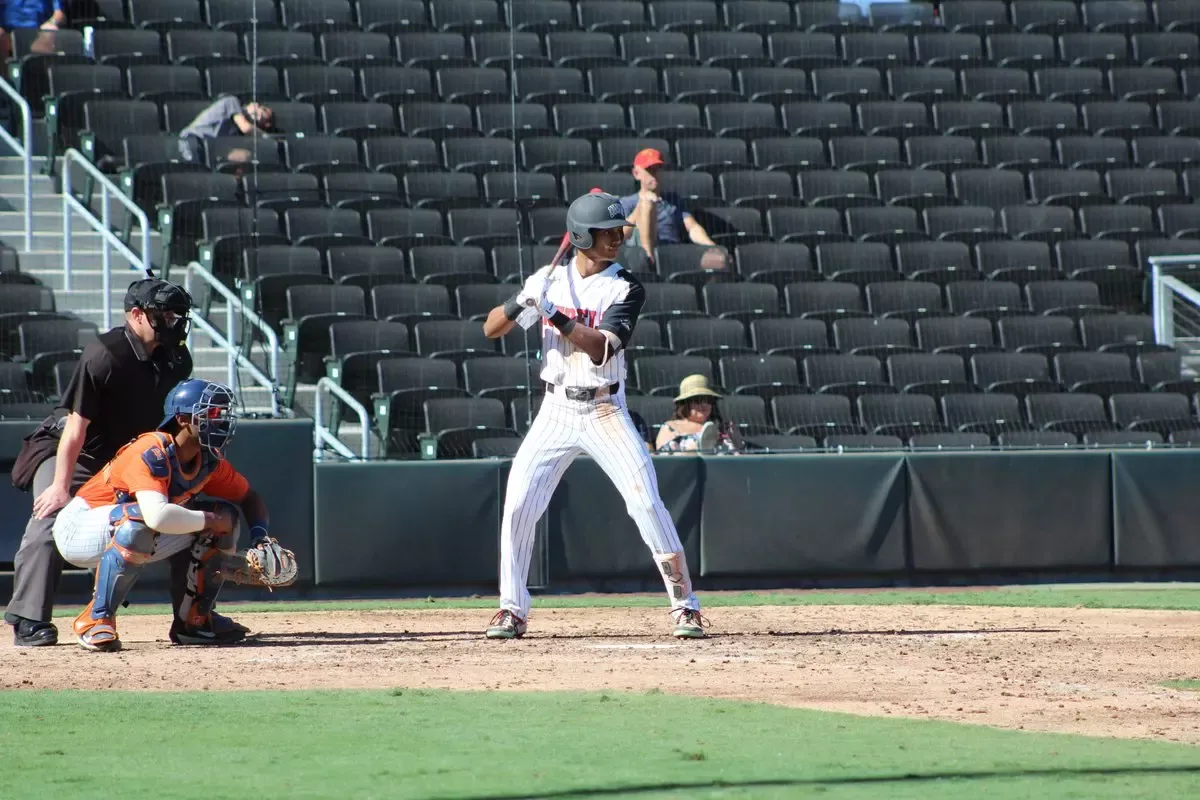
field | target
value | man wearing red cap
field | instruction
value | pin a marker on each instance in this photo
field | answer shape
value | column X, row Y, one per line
column 657, row 218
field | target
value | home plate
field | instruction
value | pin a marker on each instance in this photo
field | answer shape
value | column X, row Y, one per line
column 632, row 646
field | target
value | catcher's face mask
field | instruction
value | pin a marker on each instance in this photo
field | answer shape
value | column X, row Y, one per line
column 214, row 420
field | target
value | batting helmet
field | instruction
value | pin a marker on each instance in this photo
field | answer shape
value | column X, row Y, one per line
column 592, row 212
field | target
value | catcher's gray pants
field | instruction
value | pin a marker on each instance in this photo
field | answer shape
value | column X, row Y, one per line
column 38, row 565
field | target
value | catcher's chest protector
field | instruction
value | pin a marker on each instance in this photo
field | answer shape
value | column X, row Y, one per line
column 163, row 462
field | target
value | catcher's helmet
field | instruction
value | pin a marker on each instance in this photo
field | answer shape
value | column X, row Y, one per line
column 592, row 212
column 209, row 407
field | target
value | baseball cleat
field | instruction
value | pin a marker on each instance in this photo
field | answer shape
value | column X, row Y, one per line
column 222, row 623
column 206, row 634
column 506, row 625
column 689, row 624
column 97, row 635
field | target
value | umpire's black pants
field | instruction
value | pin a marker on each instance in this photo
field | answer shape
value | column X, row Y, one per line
column 38, row 565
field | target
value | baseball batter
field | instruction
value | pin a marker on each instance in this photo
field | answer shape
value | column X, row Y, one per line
column 588, row 307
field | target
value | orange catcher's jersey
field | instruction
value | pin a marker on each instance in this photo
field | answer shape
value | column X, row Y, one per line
column 149, row 463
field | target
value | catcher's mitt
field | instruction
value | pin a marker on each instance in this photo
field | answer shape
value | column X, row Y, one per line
column 270, row 564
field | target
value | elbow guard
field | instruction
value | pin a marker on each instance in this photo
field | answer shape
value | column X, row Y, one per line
column 512, row 309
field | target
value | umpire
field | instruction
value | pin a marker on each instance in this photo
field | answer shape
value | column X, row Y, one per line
column 116, row 393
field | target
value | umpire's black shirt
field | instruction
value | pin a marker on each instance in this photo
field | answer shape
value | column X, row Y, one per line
column 120, row 389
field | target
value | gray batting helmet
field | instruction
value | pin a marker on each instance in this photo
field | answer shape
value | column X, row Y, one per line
column 591, row 212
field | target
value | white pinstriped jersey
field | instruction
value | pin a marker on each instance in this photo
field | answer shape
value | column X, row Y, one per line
column 609, row 301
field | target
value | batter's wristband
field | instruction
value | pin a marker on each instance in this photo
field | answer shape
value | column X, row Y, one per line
column 561, row 321
column 512, row 309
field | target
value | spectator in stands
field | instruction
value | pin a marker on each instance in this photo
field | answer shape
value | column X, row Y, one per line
column 225, row 117
column 47, row 15
column 655, row 217
column 697, row 424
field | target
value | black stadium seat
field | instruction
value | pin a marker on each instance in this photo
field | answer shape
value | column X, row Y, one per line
column 964, row 215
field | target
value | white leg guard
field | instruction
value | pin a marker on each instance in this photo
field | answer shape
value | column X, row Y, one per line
column 677, row 579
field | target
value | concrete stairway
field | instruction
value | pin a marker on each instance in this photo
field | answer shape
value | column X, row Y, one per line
column 86, row 297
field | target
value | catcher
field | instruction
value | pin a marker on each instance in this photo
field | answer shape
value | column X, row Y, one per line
column 140, row 507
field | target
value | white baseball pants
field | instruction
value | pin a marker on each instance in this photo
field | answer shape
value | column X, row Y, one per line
column 561, row 431
column 81, row 535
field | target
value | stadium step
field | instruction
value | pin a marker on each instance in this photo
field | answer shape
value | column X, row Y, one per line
column 45, row 262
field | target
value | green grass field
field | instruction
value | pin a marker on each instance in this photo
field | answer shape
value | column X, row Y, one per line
column 423, row 744
column 405, row 743
column 1191, row 686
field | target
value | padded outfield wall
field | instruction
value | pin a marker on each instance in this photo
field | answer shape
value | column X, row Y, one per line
column 860, row 518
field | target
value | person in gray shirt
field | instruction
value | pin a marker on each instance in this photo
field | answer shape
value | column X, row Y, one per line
column 225, row 117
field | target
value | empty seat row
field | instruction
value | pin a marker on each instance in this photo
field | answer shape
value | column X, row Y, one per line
column 668, row 15
column 438, row 410
column 703, row 41
column 311, row 307
column 456, row 353
column 780, row 95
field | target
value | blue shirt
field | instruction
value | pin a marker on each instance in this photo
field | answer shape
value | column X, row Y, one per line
column 28, row 13
column 670, row 228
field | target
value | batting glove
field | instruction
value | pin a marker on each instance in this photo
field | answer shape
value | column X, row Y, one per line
column 543, row 306
column 537, row 284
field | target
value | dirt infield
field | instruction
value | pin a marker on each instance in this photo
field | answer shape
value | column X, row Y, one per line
column 1068, row 670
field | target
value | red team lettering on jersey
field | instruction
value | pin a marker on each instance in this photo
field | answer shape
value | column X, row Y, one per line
column 582, row 315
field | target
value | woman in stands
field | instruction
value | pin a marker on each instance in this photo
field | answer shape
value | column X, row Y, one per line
column 697, row 425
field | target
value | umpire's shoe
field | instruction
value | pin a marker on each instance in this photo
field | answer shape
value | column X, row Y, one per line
column 208, row 633
column 506, row 625
column 32, row 632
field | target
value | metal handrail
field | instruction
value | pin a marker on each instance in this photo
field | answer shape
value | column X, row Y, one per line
column 1164, row 306
column 1162, row 302
column 234, row 356
column 111, row 240
column 323, row 435
column 26, row 151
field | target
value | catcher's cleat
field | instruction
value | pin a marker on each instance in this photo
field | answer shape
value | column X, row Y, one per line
column 689, row 624
column 206, row 634
column 99, row 635
column 223, row 624
column 506, row 625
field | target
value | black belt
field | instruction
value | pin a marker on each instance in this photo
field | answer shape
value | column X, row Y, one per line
column 582, row 393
